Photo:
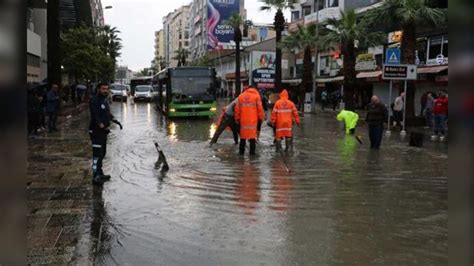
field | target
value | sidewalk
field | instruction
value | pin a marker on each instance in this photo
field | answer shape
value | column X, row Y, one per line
column 59, row 194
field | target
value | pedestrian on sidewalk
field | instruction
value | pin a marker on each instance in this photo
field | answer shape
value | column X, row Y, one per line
column 248, row 115
column 282, row 117
column 350, row 120
column 440, row 111
column 98, row 131
column 34, row 108
column 52, row 107
column 398, row 110
column 429, row 110
column 376, row 116
column 227, row 120
column 324, row 99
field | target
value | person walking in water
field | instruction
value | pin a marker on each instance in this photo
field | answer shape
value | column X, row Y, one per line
column 376, row 116
column 282, row 117
column 248, row 115
column 226, row 120
column 350, row 120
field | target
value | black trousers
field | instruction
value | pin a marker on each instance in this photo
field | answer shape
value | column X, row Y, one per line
column 375, row 135
column 243, row 142
column 227, row 121
column 52, row 118
column 99, row 149
column 33, row 122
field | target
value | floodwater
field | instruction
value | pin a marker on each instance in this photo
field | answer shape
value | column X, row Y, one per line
column 331, row 201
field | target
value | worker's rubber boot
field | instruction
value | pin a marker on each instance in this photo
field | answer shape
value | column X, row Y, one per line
column 278, row 145
column 288, row 144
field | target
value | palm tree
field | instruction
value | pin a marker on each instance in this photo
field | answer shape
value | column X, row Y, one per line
column 54, row 33
column 247, row 25
column 181, row 55
column 344, row 33
column 304, row 39
column 279, row 23
column 408, row 15
column 111, row 42
column 236, row 21
column 160, row 61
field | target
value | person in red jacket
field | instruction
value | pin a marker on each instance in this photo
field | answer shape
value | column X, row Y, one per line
column 440, row 112
column 248, row 115
column 282, row 117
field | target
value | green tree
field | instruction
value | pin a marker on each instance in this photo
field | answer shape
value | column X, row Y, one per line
column 408, row 15
column 279, row 23
column 304, row 39
column 247, row 25
column 110, row 42
column 236, row 21
column 345, row 33
column 181, row 55
column 83, row 55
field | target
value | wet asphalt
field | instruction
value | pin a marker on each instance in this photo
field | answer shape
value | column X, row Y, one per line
column 331, row 201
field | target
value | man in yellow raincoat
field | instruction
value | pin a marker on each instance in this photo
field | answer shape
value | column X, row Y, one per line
column 350, row 120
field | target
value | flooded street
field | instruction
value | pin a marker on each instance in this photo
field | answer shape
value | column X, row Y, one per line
column 339, row 203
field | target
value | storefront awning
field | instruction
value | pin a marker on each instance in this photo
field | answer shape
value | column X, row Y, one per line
column 331, row 79
column 371, row 74
column 431, row 69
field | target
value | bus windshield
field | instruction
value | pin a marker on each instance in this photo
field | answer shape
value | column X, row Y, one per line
column 185, row 87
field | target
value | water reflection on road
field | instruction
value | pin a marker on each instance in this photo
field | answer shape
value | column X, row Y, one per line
column 340, row 202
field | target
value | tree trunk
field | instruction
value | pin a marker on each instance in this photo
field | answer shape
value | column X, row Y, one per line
column 350, row 77
column 279, row 27
column 237, row 69
column 54, row 34
column 408, row 57
column 307, row 75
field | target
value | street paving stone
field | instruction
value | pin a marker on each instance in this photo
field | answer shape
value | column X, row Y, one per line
column 59, row 191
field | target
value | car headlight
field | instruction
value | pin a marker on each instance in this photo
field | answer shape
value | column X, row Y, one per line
column 213, row 109
column 172, row 110
column 124, row 93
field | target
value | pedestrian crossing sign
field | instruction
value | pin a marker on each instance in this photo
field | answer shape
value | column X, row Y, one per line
column 392, row 56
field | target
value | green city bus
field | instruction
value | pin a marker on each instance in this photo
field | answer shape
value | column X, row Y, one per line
column 187, row 91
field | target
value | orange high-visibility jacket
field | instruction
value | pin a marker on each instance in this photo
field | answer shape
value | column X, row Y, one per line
column 248, row 111
column 282, row 116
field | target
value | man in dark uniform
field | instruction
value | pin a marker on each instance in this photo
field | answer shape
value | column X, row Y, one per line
column 98, row 130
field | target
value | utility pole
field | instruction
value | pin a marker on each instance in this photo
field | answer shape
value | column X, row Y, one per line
column 315, row 72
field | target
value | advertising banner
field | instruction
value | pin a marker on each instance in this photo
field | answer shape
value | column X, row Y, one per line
column 263, row 69
column 218, row 12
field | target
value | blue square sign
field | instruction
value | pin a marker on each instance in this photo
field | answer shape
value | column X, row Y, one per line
column 392, row 56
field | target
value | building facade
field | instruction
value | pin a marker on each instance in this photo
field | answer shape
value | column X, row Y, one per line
column 176, row 33
column 159, row 58
column 36, row 34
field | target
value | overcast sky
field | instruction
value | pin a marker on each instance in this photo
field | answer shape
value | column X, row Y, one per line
column 139, row 19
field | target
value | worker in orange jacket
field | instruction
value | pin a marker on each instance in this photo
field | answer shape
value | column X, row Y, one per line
column 282, row 119
column 248, row 115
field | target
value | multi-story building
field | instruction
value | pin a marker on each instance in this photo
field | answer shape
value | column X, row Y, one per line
column 159, row 48
column 97, row 13
column 36, row 54
column 123, row 75
column 198, row 23
column 78, row 12
column 176, row 33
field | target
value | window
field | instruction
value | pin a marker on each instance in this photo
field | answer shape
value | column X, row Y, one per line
column 321, row 5
column 295, row 15
column 438, row 45
column 332, row 3
column 306, row 10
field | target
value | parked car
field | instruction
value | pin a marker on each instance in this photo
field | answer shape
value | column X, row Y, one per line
column 119, row 91
column 144, row 93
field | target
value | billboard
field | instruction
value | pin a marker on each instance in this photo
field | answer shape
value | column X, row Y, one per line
column 218, row 12
column 263, row 69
